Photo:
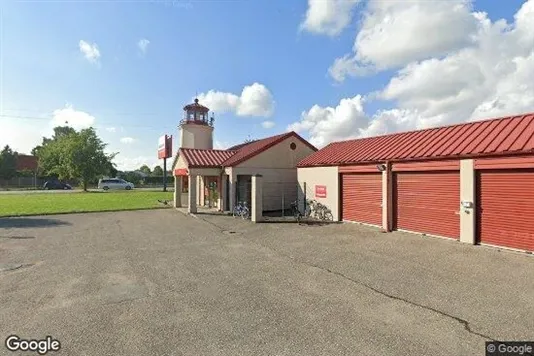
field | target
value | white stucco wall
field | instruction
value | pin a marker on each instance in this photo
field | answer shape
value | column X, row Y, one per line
column 327, row 176
column 277, row 165
column 196, row 136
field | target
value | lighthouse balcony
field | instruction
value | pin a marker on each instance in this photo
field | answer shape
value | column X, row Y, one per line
column 206, row 122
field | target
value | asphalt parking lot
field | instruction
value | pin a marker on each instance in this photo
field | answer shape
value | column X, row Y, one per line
column 163, row 283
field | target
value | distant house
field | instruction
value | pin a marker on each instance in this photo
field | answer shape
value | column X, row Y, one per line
column 27, row 163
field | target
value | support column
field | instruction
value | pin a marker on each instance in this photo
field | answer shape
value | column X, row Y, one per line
column 202, row 195
column 177, row 191
column 192, row 195
column 233, row 187
column 467, row 206
column 387, row 198
column 199, row 190
column 256, row 213
column 222, row 193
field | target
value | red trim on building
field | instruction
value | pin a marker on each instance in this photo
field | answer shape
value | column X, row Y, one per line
column 367, row 168
column 426, row 166
column 505, row 162
column 181, row 172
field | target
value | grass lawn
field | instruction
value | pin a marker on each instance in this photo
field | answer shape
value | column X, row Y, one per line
column 51, row 203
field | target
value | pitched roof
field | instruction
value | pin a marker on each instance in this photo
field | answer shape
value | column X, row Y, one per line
column 240, row 146
column 507, row 135
column 197, row 158
column 256, row 147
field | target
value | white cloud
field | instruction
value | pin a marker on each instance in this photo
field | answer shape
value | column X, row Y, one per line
column 255, row 100
column 127, row 140
column 111, row 129
column 489, row 76
column 68, row 116
column 326, row 124
column 90, row 51
column 221, row 145
column 143, row 45
column 22, row 135
column 328, row 17
column 395, row 33
column 268, row 124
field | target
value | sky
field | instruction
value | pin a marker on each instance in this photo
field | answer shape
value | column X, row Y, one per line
column 327, row 69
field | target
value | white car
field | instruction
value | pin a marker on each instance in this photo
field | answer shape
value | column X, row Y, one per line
column 114, row 183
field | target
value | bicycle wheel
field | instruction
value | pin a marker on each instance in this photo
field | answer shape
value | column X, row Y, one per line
column 236, row 212
column 245, row 213
column 328, row 216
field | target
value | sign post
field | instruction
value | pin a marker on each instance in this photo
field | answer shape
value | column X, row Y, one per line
column 165, row 174
column 165, row 151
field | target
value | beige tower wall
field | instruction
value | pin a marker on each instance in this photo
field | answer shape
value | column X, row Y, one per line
column 196, row 136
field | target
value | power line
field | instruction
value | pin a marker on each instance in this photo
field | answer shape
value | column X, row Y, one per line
column 99, row 125
column 98, row 113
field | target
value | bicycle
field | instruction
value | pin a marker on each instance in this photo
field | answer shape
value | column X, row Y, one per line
column 241, row 210
column 297, row 213
column 321, row 212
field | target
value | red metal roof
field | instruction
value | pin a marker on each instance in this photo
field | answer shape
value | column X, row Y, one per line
column 26, row 162
column 240, row 146
column 501, row 136
column 197, row 158
column 256, row 147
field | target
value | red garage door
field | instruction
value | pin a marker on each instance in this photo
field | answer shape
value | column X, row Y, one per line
column 428, row 202
column 506, row 208
column 362, row 197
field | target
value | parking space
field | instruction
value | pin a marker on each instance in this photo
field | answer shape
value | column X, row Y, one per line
column 164, row 283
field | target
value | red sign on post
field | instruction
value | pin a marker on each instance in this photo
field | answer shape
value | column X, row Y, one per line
column 165, row 147
column 320, row 191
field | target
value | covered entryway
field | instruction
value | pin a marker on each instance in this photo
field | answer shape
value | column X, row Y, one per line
column 427, row 202
column 506, row 208
column 361, row 197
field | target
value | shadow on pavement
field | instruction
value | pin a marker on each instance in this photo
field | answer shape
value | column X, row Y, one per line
column 30, row 222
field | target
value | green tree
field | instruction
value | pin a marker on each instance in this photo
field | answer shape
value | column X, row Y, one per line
column 76, row 155
column 157, row 172
column 131, row 177
column 8, row 163
column 145, row 169
column 59, row 131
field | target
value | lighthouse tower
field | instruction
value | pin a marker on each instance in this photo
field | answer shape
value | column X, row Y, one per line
column 196, row 129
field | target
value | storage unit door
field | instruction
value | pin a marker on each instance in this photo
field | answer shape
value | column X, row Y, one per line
column 362, row 197
column 428, row 202
column 506, row 208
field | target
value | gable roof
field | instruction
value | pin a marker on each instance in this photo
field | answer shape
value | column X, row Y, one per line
column 256, row 147
column 240, row 146
column 507, row 135
column 197, row 158
column 201, row 158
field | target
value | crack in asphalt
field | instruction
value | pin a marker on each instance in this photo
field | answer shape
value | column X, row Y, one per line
column 463, row 322
column 466, row 325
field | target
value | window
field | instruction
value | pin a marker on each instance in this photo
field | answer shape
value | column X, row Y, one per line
column 293, row 146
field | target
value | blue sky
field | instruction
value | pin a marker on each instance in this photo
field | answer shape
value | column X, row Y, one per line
column 287, row 47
